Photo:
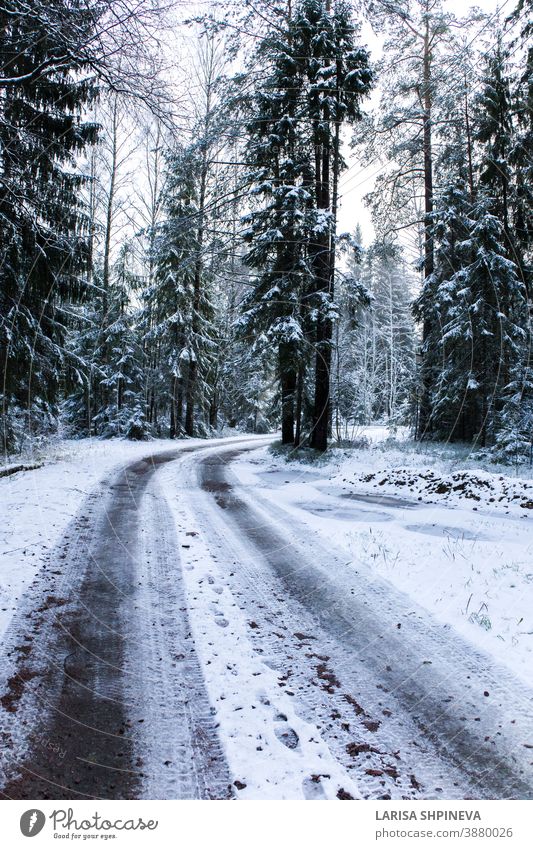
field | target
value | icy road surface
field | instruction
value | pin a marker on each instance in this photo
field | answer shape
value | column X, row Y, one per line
column 191, row 637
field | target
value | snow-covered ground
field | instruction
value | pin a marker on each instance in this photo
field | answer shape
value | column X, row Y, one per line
column 456, row 539
column 37, row 505
column 272, row 752
column 463, row 548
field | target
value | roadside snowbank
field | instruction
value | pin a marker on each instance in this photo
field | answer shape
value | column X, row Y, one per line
column 482, row 488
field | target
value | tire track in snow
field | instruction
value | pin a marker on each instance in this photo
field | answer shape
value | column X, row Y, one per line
column 466, row 718
column 96, row 653
column 273, row 752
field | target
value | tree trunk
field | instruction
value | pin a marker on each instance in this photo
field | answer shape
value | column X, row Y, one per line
column 192, row 380
column 299, row 402
column 469, row 146
column 106, row 271
column 429, row 260
column 323, row 252
column 179, row 405
column 213, row 412
column 173, row 428
column 192, row 376
column 287, row 370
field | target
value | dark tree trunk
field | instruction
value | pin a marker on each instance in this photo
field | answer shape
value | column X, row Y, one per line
column 299, row 402
column 191, row 397
column 321, row 406
column 321, row 414
column 179, row 405
column 287, row 371
column 323, row 267
column 213, row 413
column 424, row 414
column 172, row 430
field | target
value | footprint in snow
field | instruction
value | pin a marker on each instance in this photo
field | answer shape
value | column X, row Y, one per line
column 285, row 733
column 263, row 698
column 312, row 788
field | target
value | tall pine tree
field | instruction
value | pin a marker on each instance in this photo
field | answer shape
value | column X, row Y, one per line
column 43, row 249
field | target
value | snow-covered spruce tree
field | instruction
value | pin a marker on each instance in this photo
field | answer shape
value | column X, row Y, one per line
column 475, row 303
column 83, row 372
column 495, row 132
column 43, row 249
column 166, row 318
column 391, row 284
column 513, row 442
column 501, row 357
column 105, row 378
column 122, row 374
column 479, row 311
column 241, row 377
column 338, row 77
column 447, row 358
column 186, row 250
column 247, row 385
column 178, row 311
column 317, row 77
column 277, row 228
column 349, row 386
column 522, row 164
column 444, row 305
column 503, row 126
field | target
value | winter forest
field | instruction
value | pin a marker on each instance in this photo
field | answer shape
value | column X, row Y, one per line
column 266, row 415
column 178, row 254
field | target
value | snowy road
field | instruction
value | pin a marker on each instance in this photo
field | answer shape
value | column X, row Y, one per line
column 106, row 698
column 192, row 638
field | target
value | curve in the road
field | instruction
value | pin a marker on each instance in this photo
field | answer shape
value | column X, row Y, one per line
column 106, row 694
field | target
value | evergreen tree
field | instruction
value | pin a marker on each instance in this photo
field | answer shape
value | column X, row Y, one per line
column 338, row 78
column 105, row 378
column 495, row 127
column 178, row 312
column 43, row 249
column 415, row 91
column 475, row 303
column 168, row 301
column 479, row 312
column 277, row 230
column 522, row 165
column 316, row 81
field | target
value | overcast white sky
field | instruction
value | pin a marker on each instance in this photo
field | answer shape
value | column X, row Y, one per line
column 357, row 181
